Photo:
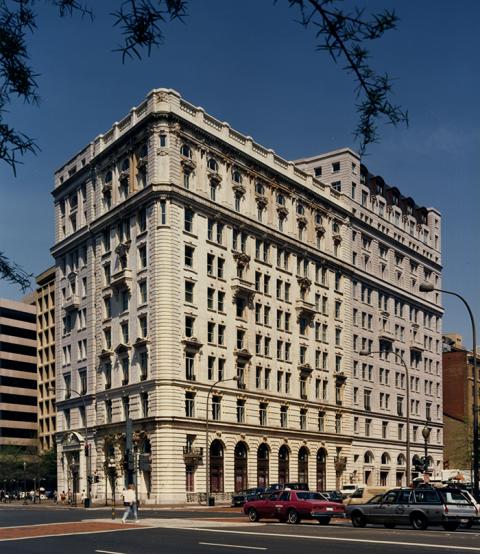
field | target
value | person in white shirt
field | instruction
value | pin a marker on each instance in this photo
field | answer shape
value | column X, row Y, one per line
column 130, row 503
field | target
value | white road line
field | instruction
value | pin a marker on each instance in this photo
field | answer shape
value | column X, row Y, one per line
column 108, row 552
column 225, row 545
column 341, row 539
column 34, row 537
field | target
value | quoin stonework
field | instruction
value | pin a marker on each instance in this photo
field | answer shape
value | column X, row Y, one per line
column 188, row 254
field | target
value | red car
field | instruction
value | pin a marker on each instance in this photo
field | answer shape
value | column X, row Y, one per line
column 293, row 506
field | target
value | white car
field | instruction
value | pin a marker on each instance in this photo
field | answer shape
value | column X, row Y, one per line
column 348, row 490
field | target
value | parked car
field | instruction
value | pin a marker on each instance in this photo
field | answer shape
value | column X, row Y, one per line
column 283, row 486
column 420, row 508
column 348, row 490
column 333, row 496
column 293, row 506
column 363, row 494
column 240, row 498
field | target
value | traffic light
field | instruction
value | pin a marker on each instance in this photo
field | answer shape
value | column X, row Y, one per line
column 129, row 461
column 87, row 449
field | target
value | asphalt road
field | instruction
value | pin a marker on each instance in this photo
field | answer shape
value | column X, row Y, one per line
column 172, row 541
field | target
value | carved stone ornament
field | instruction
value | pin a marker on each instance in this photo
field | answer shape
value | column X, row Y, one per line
column 239, row 189
column 243, row 353
column 304, row 282
column 162, row 97
column 320, row 229
column 72, row 276
column 282, row 211
column 301, row 221
column 242, row 259
column 337, row 238
column 305, row 369
column 188, row 164
column 142, row 162
column 192, row 343
column 261, row 201
column 215, row 178
column 124, row 176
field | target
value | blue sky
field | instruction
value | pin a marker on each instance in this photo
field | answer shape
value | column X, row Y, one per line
column 250, row 63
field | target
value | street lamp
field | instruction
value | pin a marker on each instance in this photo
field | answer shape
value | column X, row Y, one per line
column 207, row 449
column 112, row 470
column 425, row 434
column 407, row 394
column 86, row 447
column 428, row 287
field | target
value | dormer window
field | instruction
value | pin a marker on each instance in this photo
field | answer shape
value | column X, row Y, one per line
column 212, row 165
column 186, row 151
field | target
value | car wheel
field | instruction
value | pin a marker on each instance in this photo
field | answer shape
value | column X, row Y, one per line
column 253, row 515
column 324, row 520
column 358, row 519
column 419, row 521
column 450, row 525
column 293, row 517
column 389, row 525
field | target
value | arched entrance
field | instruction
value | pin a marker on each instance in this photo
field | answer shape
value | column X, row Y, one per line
column 262, row 465
column 321, row 469
column 303, row 465
column 368, row 460
column 216, row 466
column 283, row 462
column 240, row 467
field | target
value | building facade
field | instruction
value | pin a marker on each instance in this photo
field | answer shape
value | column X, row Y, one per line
column 458, row 403
column 45, row 305
column 188, row 255
column 395, row 246
column 18, row 376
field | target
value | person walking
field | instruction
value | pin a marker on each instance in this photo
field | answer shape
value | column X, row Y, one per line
column 130, row 503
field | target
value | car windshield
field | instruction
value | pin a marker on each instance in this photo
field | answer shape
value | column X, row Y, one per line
column 357, row 494
column 454, row 497
column 310, row 496
column 376, row 499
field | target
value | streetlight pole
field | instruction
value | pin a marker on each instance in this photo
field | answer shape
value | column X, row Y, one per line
column 407, row 411
column 86, row 446
column 428, row 287
column 207, row 449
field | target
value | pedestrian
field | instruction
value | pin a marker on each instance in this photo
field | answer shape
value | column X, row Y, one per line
column 130, row 503
column 69, row 497
column 82, row 497
column 55, row 497
column 63, row 497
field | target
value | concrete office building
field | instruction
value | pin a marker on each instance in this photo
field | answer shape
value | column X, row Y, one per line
column 18, row 376
column 45, row 305
column 187, row 253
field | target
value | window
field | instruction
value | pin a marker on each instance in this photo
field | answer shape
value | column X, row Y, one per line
column 186, row 151
column 338, row 423
column 188, row 220
column 189, row 286
column 107, row 372
column 335, row 167
column 262, row 413
column 318, row 171
column 216, row 407
column 367, row 400
column 108, row 411
column 143, row 326
column 337, row 185
column 303, row 419
column 143, row 365
column 124, row 300
column 188, row 258
column 163, row 212
column 190, row 404
column 190, row 367
column 240, row 411
column 143, row 291
column 125, row 365
column 283, row 416
column 124, row 332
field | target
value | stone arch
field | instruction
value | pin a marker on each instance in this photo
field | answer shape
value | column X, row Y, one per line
column 385, row 459
column 368, row 457
column 240, row 466
column 283, row 464
column 217, row 451
column 368, row 460
column 321, row 469
column 303, row 455
column 263, row 465
column 401, row 460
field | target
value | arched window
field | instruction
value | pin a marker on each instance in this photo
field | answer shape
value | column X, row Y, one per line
column 300, row 209
column 259, row 188
column 186, row 151
column 236, row 176
column 240, row 467
column 368, row 457
column 280, row 199
column 321, row 469
column 126, row 164
column 401, row 460
column 283, row 464
column 212, row 164
column 336, row 228
column 318, row 218
column 108, row 177
column 263, row 455
column 303, row 465
column 216, row 466
column 385, row 460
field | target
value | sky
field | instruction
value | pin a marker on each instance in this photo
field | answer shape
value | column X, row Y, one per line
column 250, row 63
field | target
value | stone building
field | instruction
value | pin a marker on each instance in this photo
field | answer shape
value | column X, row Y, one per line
column 458, row 402
column 189, row 255
column 45, row 305
column 18, row 376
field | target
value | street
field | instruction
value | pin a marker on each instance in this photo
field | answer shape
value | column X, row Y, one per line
column 192, row 531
